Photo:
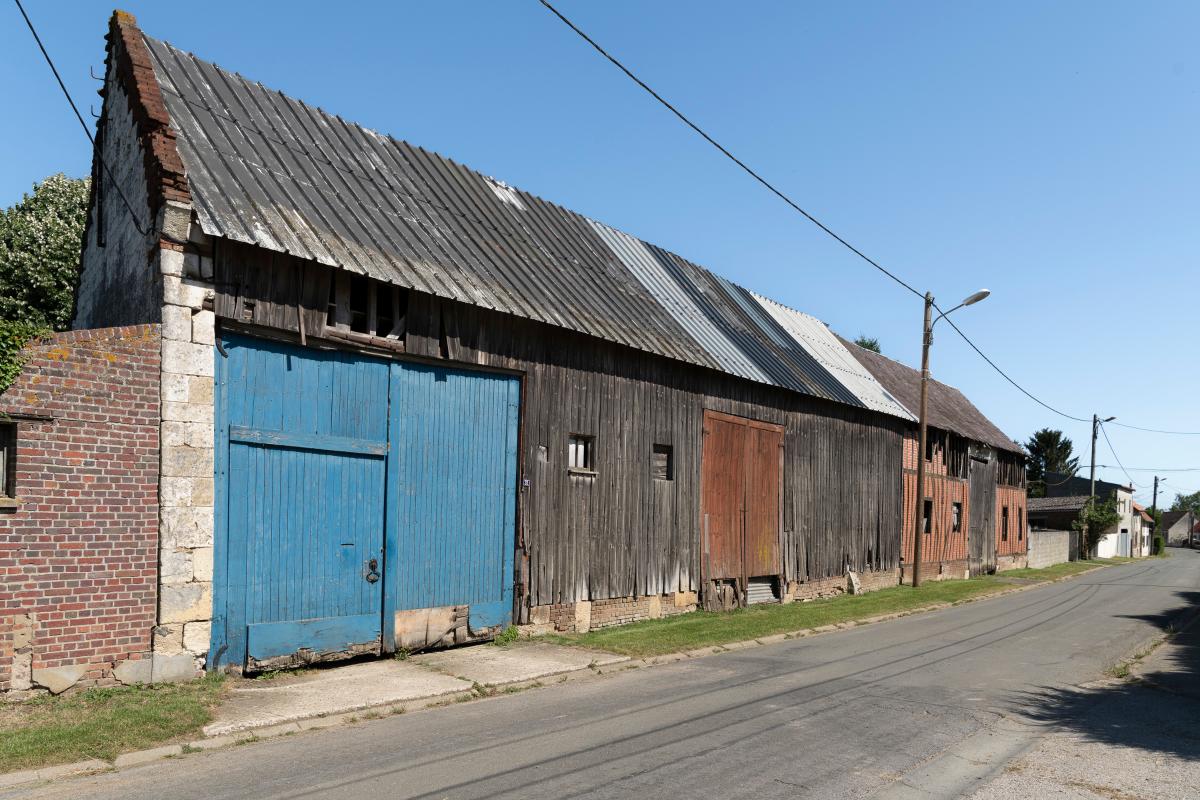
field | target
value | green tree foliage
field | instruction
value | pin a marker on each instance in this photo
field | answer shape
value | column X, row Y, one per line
column 40, row 243
column 1049, row 451
column 1187, row 502
column 868, row 343
column 1096, row 518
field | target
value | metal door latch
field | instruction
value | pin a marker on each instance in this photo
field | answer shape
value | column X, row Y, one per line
column 371, row 570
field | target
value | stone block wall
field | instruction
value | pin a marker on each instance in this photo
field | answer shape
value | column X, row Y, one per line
column 186, row 533
column 1047, row 548
column 79, row 542
column 832, row 587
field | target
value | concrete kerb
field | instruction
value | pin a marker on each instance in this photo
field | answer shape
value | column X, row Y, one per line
column 366, row 714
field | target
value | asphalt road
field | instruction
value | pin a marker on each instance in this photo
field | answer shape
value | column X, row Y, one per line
column 932, row 705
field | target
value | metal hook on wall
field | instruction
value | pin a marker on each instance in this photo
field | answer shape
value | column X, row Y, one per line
column 95, row 77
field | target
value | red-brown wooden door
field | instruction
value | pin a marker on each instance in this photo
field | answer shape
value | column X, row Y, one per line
column 740, row 498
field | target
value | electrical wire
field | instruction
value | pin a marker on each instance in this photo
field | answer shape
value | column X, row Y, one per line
column 1157, row 430
column 778, row 193
column 86, row 131
column 1113, row 450
column 1152, row 469
column 724, row 151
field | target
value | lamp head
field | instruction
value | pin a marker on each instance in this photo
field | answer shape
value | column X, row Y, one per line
column 1110, row 419
column 975, row 298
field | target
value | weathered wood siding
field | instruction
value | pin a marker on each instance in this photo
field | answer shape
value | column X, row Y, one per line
column 618, row 532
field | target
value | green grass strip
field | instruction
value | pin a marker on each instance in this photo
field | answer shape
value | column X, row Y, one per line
column 704, row 629
column 102, row 723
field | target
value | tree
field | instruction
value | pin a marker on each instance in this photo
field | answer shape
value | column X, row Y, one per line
column 868, row 343
column 1187, row 502
column 1096, row 517
column 40, row 241
column 1049, row 451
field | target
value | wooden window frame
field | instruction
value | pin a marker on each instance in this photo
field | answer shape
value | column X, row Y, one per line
column 8, row 465
column 587, row 443
column 667, row 473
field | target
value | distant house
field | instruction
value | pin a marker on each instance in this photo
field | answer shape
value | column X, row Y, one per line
column 1143, row 524
column 973, row 512
column 1117, row 540
column 1178, row 527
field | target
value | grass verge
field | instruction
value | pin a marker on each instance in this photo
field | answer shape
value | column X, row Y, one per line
column 704, row 629
column 102, row 723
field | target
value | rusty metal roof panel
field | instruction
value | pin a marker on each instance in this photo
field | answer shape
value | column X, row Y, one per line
column 272, row 171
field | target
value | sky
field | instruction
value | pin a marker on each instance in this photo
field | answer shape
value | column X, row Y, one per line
column 1045, row 151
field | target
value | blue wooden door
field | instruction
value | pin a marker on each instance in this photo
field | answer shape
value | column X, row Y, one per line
column 454, row 437
column 302, row 458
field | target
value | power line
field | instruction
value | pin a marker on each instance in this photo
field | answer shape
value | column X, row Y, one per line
column 771, row 187
column 778, row 193
column 1006, row 377
column 1151, row 469
column 1112, row 450
column 86, row 131
column 1156, row 430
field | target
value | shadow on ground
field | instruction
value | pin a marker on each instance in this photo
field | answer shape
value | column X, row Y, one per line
column 1155, row 709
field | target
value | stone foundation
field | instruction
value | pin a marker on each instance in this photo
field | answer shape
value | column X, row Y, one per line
column 945, row 571
column 1014, row 561
column 586, row 615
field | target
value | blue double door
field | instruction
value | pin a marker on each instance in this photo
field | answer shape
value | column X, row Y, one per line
column 349, row 488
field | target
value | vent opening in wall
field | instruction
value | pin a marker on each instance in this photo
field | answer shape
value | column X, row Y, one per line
column 581, row 453
column 662, row 464
column 761, row 590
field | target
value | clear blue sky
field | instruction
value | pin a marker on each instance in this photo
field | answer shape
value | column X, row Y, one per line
column 1047, row 151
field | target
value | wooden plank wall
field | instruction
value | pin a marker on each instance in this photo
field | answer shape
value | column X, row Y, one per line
column 619, row 532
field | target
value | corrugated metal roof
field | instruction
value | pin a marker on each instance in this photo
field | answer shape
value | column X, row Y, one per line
column 271, row 171
column 820, row 342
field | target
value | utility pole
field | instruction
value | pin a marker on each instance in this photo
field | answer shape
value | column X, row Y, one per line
column 922, row 427
column 1154, row 514
column 922, row 433
column 1092, row 488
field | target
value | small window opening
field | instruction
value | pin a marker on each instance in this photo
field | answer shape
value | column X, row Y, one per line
column 358, row 303
column 957, row 517
column 663, row 464
column 8, row 460
column 581, row 453
column 1020, row 524
column 1004, row 524
column 927, row 518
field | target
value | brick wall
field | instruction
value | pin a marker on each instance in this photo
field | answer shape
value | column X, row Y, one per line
column 942, row 544
column 79, row 551
column 1015, row 542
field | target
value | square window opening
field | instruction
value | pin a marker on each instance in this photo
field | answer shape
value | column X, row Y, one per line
column 662, row 464
column 581, row 451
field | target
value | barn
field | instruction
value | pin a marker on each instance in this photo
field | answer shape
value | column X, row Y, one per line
column 405, row 404
column 973, row 514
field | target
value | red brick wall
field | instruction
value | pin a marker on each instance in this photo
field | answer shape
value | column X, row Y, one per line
column 79, row 555
column 1017, row 540
column 942, row 543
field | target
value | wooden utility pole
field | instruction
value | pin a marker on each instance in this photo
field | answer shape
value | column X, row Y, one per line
column 923, row 433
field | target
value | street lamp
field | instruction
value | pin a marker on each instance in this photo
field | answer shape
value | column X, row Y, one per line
column 926, row 341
